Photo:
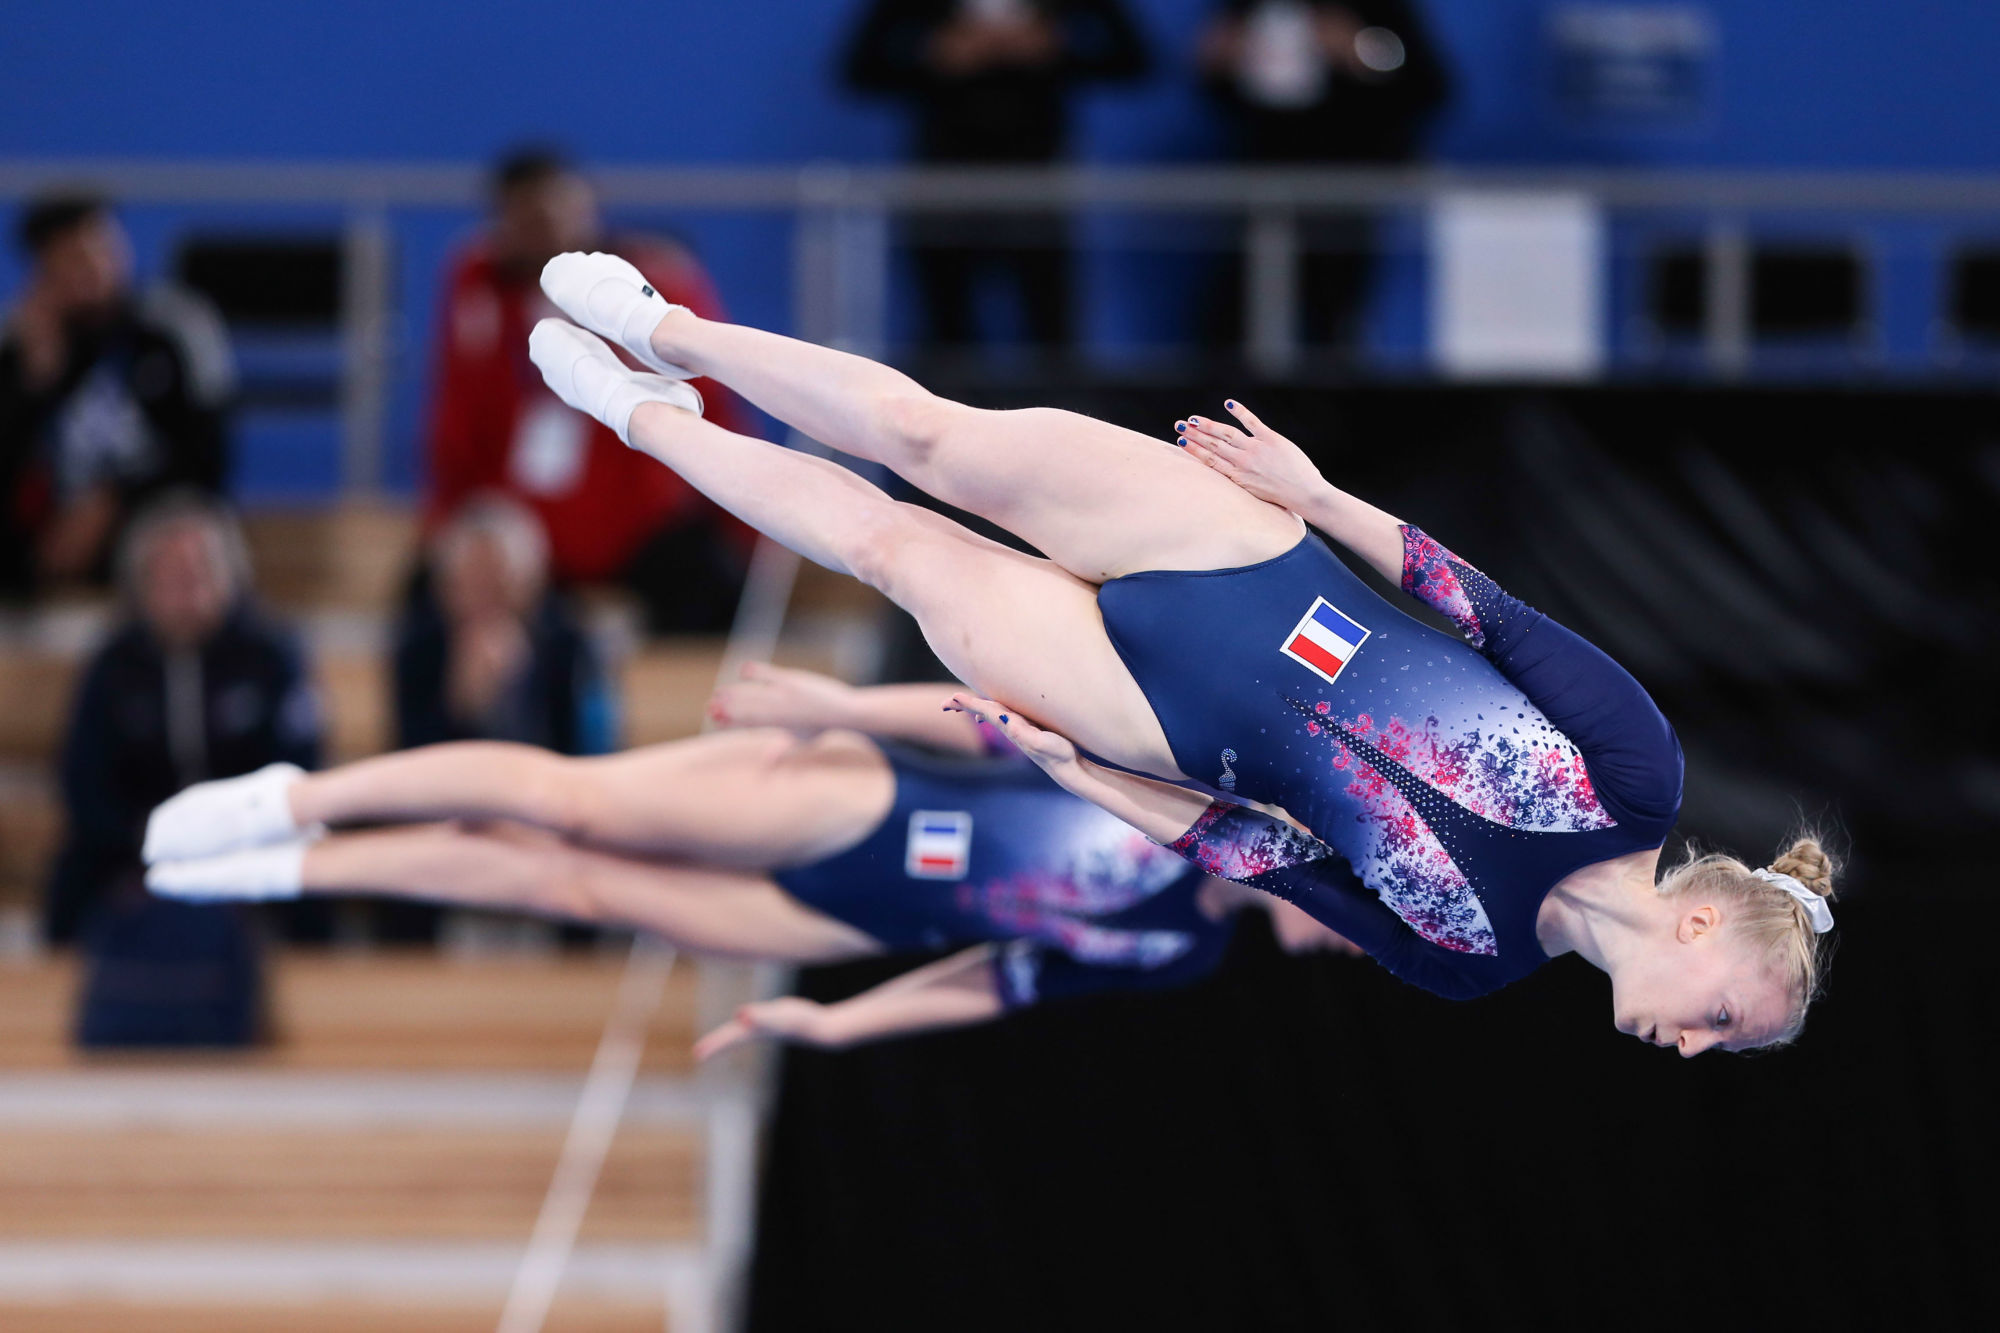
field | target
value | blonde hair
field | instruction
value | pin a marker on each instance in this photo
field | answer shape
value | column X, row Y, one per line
column 1770, row 919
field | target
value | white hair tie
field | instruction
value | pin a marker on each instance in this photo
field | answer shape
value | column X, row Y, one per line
column 1815, row 904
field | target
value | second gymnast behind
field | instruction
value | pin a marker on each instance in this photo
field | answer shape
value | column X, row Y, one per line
column 791, row 836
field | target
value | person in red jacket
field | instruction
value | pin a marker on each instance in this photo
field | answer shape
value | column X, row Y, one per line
column 612, row 516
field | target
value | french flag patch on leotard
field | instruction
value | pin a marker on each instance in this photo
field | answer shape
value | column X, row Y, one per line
column 940, row 844
column 1324, row 640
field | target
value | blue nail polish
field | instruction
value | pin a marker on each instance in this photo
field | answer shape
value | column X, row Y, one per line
column 1230, row 403
column 1180, row 425
column 1003, row 717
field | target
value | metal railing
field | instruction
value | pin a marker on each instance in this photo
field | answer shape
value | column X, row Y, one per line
column 841, row 236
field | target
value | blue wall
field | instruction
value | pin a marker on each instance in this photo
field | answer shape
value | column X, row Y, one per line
column 1798, row 83
column 1794, row 83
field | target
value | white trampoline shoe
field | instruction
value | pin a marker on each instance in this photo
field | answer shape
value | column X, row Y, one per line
column 221, row 816
column 585, row 373
column 611, row 298
column 252, row 874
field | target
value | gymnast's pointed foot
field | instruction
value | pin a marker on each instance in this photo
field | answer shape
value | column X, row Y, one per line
column 249, row 874
column 212, row 817
column 585, row 373
column 611, row 298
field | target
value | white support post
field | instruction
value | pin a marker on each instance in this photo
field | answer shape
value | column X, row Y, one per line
column 1726, row 299
column 365, row 297
column 1271, row 291
column 817, row 295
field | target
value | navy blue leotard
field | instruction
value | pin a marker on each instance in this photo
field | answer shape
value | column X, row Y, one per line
column 991, row 850
column 1461, row 781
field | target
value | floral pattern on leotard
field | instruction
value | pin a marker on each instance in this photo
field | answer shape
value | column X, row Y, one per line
column 1230, row 842
column 1397, row 854
column 1390, row 847
column 1103, row 868
column 1434, row 576
column 1514, row 770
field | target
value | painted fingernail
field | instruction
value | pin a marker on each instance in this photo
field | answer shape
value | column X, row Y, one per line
column 1195, row 420
column 1230, row 403
column 1180, row 425
column 1003, row 717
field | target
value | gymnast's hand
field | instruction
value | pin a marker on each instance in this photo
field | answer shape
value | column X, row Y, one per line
column 770, row 696
column 1160, row 810
column 787, row 1018
column 1255, row 457
column 1052, row 752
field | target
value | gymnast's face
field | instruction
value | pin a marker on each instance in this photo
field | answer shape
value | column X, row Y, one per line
column 1699, row 987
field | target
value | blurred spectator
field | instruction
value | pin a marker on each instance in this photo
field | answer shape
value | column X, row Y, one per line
column 990, row 81
column 501, row 657
column 610, row 514
column 496, row 655
column 1316, row 81
column 195, row 684
column 105, row 397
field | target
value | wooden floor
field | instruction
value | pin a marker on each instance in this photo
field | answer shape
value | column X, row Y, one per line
column 411, row 1101
column 414, row 1010
column 319, row 1184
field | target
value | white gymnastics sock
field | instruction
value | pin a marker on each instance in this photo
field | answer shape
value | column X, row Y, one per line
column 587, row 374
column 247, row 875
column 611, row 298
column 221, row 816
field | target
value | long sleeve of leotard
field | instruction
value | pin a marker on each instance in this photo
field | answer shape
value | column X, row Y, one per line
column 1237, row 843
column 1629, row 747
column 1029, row 972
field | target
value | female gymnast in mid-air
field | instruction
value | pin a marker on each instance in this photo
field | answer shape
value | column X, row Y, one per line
column 758, row 842
column 1503, row 800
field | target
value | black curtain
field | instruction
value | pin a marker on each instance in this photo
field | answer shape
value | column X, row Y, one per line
column 1800, row 579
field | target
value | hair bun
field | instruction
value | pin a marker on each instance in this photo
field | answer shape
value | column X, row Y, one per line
column 1807, row 862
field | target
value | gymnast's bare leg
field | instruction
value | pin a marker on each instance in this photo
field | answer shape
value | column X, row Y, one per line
column 755, row 799
column 729, row 913
column 1097, row 499
column 1022, row 629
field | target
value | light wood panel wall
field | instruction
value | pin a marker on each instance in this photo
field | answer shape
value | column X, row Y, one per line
column 322, row 1184
column 411, row 1010
column 568, row 1316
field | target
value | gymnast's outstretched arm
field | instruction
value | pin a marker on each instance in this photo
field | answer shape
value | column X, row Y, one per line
column 1160, row 810
column 953, row 992
column 772, row 696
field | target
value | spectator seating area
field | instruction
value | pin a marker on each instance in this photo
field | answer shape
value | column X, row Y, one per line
column 378, row 1163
